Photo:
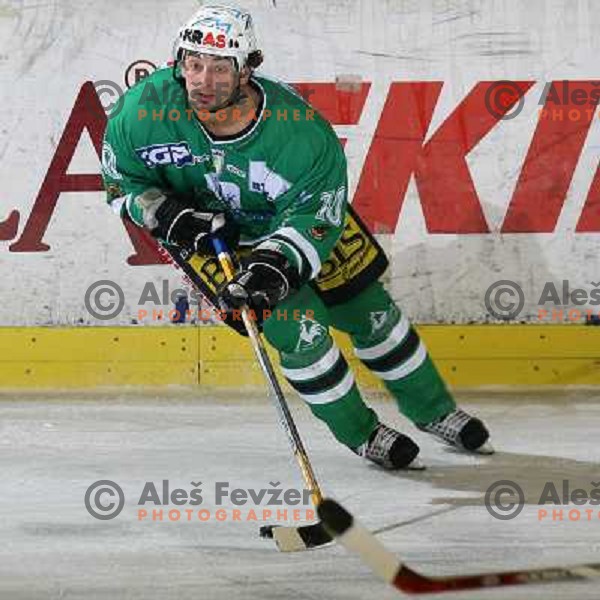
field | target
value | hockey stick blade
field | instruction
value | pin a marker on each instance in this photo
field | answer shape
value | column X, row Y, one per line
column 356, row 538
column 295, row 539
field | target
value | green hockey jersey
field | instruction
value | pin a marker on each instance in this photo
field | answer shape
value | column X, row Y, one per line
column 284, row 178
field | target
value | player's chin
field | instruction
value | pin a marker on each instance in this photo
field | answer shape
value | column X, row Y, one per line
column 198, row 105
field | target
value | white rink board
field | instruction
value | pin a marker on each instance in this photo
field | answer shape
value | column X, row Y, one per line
column 49, row 50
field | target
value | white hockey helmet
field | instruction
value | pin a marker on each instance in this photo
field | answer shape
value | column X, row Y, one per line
column 220, row 30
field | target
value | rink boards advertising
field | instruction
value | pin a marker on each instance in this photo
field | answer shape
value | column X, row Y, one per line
column 472, row 143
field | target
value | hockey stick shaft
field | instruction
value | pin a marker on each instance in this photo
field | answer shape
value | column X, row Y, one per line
column 283, row 411
column 356, row 538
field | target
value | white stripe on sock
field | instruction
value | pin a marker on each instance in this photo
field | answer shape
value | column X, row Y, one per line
column 335, row 393
column 407, row 367
column 317, row 368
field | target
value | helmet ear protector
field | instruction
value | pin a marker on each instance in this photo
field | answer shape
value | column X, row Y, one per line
column 255, row 59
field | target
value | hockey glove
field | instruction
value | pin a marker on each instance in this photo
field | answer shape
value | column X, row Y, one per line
column 179, row 222
column 266, row 278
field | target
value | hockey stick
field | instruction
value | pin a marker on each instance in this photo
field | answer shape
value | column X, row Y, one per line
column 288, row 539
column 356, row 538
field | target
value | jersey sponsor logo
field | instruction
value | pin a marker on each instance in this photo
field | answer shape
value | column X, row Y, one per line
column 227, row 191
column 263, row 180
column 235, row 170
column 230, row 193
column 160, row 155
column 201, row 159
column 218, row 160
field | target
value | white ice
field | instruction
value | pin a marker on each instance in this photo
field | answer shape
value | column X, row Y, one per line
column 52, row 447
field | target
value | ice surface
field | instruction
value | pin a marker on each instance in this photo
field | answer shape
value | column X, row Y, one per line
column 54, row 446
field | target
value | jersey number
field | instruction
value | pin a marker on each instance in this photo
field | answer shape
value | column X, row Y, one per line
column 331, row 206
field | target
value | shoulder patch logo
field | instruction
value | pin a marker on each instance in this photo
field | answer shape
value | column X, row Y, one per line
column 109, row 162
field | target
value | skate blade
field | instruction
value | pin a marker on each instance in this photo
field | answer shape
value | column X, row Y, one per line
column 485, row 449
column 416, row 465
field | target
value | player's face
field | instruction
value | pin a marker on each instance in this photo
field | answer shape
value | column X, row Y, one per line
column 210, row 81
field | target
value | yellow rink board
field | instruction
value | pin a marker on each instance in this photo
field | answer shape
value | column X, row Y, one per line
column 467, row 355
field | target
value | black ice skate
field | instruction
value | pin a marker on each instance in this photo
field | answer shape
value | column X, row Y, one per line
column 390, row 449
column 461, row 430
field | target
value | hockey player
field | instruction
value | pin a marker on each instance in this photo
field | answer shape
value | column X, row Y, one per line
column 234, row 153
